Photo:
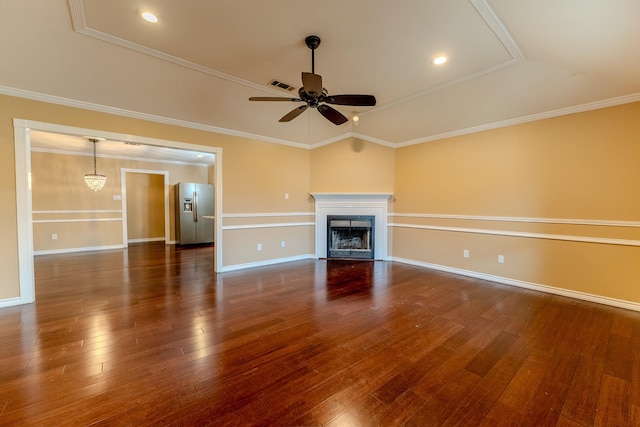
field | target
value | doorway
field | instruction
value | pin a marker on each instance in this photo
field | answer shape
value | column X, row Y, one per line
column 145, row 206
column 22, row 141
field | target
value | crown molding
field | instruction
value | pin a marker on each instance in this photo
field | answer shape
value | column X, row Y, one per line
column 67, row 102
column 353, row 135
column 611, row 102
column 117, row 157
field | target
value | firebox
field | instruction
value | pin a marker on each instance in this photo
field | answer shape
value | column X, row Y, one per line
column 350, row 236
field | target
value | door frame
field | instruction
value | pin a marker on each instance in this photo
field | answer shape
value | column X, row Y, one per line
column 24, row 211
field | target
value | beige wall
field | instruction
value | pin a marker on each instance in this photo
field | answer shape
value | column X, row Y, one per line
column 576, row 166
column 580, row 169
column 58, row 188
column 257, row 175
column 352, row 166
column 298, row 241
column 268, row 191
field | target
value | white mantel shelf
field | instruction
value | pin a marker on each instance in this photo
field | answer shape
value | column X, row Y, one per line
column 351, row 196
column 373, row 204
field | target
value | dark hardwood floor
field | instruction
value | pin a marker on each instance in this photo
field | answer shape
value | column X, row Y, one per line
column 150, row 336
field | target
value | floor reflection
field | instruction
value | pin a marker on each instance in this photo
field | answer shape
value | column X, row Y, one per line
column 345, row 278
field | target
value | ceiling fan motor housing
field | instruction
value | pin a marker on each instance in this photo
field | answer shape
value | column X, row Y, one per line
column 312, row 42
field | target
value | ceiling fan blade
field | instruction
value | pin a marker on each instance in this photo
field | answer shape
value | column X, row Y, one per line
column 293, row 113
column 333, row 115
column 312, row 83
column 273, row 98
column 356, row 100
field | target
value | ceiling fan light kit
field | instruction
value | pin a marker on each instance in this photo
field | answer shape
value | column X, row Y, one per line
column 314, row 95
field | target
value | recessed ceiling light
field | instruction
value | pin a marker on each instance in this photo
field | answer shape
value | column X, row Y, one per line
column 440, row 60
column 149, row 17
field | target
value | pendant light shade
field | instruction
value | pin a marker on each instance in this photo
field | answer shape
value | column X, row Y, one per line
column 95, row 181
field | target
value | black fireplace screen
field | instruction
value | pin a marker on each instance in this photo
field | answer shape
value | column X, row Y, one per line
column 350, row 236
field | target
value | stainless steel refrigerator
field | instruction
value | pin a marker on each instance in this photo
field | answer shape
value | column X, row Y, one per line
column 193, row 203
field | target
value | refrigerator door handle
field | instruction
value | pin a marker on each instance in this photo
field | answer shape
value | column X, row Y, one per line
column 195, row 206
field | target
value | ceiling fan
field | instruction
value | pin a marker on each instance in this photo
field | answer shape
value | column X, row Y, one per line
column 315, row 96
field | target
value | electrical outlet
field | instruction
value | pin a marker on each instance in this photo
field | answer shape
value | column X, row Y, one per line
column 54, row 236
column 465, row 253
column 501, row 259
column 282, row 244
column 259, row 247
column 286, row 196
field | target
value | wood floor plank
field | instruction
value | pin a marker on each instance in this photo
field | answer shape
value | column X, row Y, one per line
column 360, row 413
column 581, row 402
column 400, row 411
column 635, row 373
column 506, row 408
column 547, row 399
column 567, row 422
column 465, row 345
column 477, row 403
column 489, row 356
column 619, row 357
column 151, row 336
column 614, row 404
column 411, row 374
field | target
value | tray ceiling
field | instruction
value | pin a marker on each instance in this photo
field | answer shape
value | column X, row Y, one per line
column 507, row 61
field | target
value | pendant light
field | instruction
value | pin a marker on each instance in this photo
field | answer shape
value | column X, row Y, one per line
column 95, row 181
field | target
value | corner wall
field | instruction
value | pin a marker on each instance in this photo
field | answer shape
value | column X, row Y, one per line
column 352, row 166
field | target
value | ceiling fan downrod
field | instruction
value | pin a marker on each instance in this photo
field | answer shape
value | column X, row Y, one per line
column 312, row 43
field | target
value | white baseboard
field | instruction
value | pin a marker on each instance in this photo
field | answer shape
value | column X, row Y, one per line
column 235, row 267
column 629, row 305
column 146, row 240
column 71, row 250
column 9, row 302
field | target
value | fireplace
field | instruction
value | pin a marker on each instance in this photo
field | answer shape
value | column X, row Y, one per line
column 350, row 236
column 352, row 204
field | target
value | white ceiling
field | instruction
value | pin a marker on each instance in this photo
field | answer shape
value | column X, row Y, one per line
column 509, row 61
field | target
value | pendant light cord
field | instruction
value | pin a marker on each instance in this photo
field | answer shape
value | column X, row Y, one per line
column 95, row 171
column 94, row 140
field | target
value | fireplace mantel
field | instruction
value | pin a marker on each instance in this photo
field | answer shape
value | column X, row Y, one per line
column 346, row 197
column 375, row 204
